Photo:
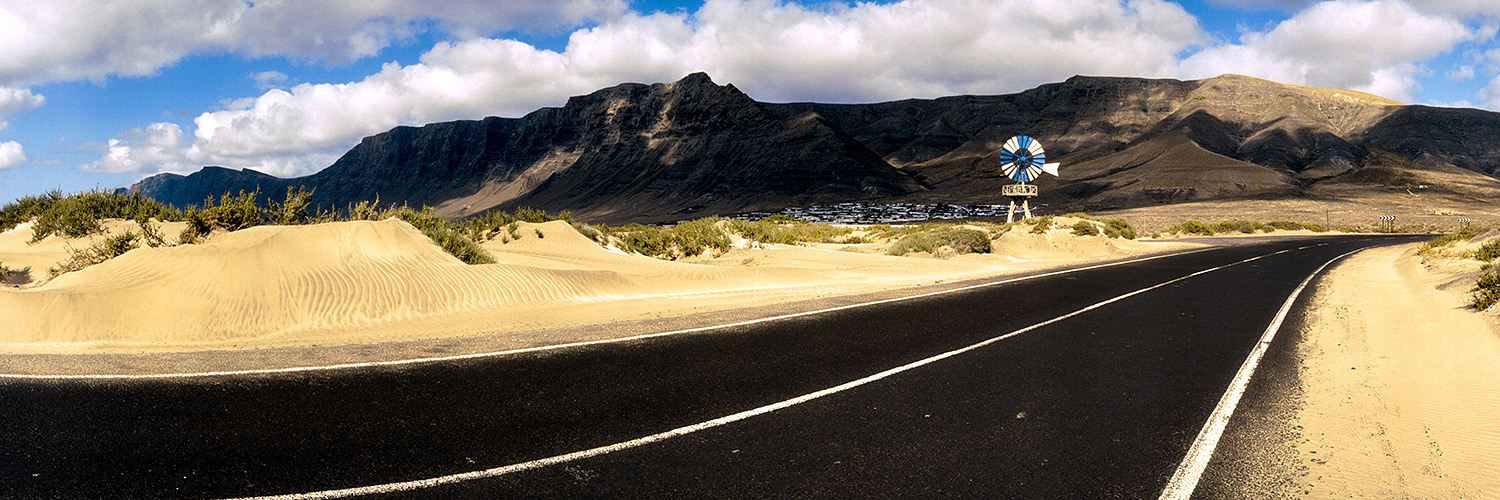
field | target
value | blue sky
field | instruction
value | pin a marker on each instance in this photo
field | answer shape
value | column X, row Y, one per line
column 103, row 93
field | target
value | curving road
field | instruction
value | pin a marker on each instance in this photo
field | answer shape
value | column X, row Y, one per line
column 1093, row 384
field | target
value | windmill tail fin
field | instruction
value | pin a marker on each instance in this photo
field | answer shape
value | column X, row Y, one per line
column 1050, row 168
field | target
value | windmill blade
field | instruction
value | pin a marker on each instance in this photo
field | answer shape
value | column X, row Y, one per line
column 1050, row 168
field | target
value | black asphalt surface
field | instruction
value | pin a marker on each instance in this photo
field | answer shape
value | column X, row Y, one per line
column 1100, row 405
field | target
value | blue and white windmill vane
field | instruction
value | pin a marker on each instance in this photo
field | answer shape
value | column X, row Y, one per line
column 1023, row 160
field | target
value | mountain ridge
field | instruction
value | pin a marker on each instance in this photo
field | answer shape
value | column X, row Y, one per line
column 678, row 150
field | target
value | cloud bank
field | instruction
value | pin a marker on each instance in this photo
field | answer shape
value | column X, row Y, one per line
column 771, row 49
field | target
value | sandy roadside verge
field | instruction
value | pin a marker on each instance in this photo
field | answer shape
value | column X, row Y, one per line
column 1400, row 384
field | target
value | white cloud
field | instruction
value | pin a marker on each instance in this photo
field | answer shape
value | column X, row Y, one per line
column 269, row 79
column 1461, row 74
column 62, row 40
column 772, row 50
column 1264, row 4
column 16, row 101
column 1375, row 46
column 11, row 155
column 1490, row 95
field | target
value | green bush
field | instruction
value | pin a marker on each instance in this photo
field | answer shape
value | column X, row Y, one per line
column 1487, row 289
column 1243, row 226
column 686, row 239
column 449, row 236
column 1119, row 228
column 1438, row 243
column 1041, row 225
column 79, row 215
column 293, row 210
column 232, row 213
column 697, row 236
column 1084, row 228
column 787, row 231
column 26, row 208
column 1488, row 252
column 1192, row 227
column 653, row 241
column 108, row 248
column 528, row 214
column 962, row 241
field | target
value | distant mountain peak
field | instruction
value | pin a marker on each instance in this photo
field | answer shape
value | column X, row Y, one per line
column 671, row 151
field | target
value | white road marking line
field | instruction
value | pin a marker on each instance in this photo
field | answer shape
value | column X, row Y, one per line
column 414, row 361
column 680, row 431
column 1185, row 479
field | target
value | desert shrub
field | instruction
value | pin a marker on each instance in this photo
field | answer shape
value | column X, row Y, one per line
column 293, row 210
column 1284, row 225
column 108, row 248
column 961, row 241
column 1487, row 289
column 1119, row 228
column 887, row 231
column 1437, row 244
column 591, row 232
column 1192, row 227
column 1243, row 226
column 364, row 210
column 486, row 226
column 1041, row 224
column 449, row 236
column 1488, row 252
column 787, row 231
column 539, row 234
column 232, row 213
column 528, row 214
column 686, row 239
column 26, row 208
column 1084, row 228
column 79, row 215
column 852, row 239
column 697, row 236
column 653, row 241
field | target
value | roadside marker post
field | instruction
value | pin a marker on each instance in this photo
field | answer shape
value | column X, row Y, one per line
column 1387, row 223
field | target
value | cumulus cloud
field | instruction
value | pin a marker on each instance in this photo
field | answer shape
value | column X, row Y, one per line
column 772, row 50
column 62, row 40
column 1374, row 46
column 1490, row 94
column 775, row 51
column 11, row 155
column 1461, row 73
column 1264, row 4
column 269, row 79
column 16, row 101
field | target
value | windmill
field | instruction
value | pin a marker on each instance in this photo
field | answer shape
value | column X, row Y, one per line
column 1023, row 160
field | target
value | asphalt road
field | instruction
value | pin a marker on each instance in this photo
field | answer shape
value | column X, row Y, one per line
column 1102, row 404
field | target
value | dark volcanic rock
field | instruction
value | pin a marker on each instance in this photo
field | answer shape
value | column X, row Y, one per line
column 679, row 150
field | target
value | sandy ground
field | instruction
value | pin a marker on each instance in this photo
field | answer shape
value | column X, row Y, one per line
column 1400, row 383
column 1420, row 212
column 370, row 282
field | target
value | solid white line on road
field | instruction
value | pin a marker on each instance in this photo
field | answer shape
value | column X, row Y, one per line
column 414, row 361
column 577, row 455
column 1185, row 480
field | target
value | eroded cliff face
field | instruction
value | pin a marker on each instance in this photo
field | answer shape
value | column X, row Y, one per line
column 679, row 150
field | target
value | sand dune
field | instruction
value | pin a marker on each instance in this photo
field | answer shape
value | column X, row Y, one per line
column 359, row 282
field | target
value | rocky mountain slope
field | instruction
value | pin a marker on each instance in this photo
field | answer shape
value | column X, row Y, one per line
column 678, row 150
